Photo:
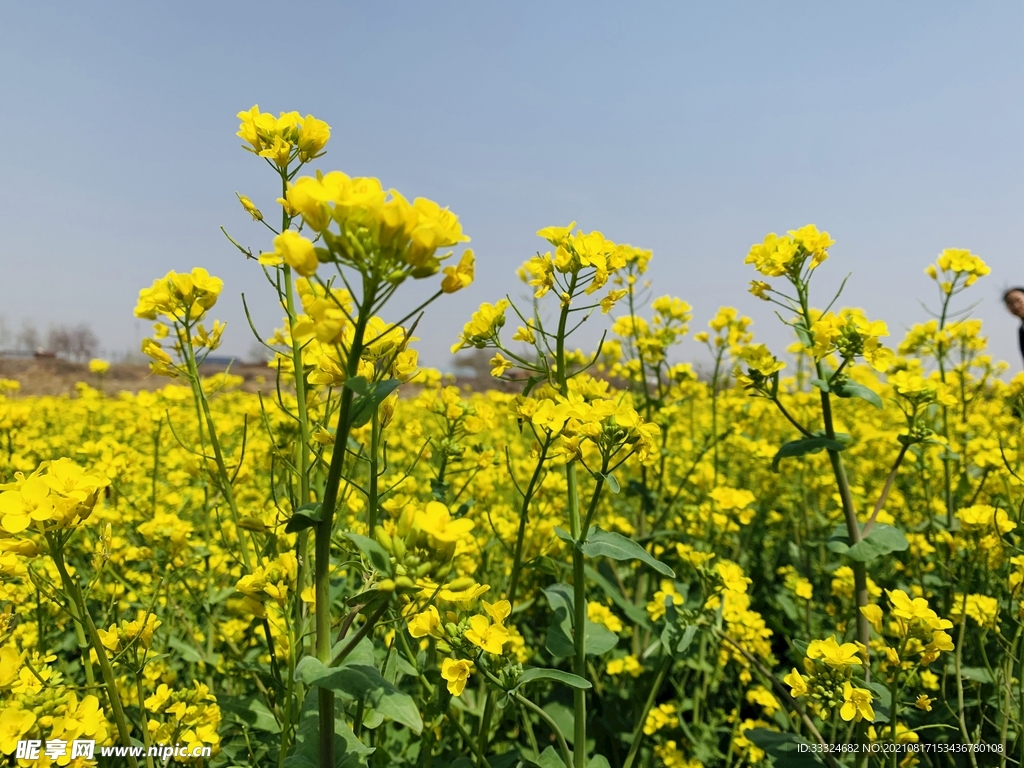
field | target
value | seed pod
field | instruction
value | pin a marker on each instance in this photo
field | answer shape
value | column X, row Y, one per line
column 384, row 539
column 251, row 524
column 404, row 582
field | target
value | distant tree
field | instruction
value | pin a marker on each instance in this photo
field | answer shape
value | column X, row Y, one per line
column 5, row 333
column 78, row 343
column 474, row 364
column 258, row 354
column 84, row 343
column 28, row 337
column 58, row 340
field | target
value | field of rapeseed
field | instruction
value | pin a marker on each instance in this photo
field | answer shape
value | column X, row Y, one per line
column 809, row 556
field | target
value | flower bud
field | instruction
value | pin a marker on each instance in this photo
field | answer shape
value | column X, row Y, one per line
column 405, row 522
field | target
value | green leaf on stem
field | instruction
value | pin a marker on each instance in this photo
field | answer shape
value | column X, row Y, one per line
column 549, row 758
column 804, row 446
column 597, row 640
column 374, row 552
column 601, row 543
column 633, row 612
column 349, row 752
column 368, row 397
column 613, row 484
column 821, row 384
column 567, row 678
column 306, row 516
column 355, row 681
column 847, row 388
column 252, row 711
column 803, row 334
column 564, row 718
column 880, row 540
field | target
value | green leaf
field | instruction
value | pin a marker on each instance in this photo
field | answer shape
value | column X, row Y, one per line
column 349, row 752
column 597, row 642
column 550, row 758
column 613, row 484
column 633, row 612
column 185, row 650
column 306, row 516
column 881, row 540
column 803, row 446
column 251, row 711
column 362, row 681
column 821, row 384
column 676, row 637
column 882, row 707
column 531, row 382
column 597, row 639
column 564, row 719
column 374, row 552
column 803, row 334
column 361, row 654
column 847, row 388
column 567, row 678
column 598, row 761
column 977, row 674
column 368, row 398
column 602, row 543
column 784, row 748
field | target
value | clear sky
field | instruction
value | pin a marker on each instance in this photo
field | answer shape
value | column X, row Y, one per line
column 689, row 128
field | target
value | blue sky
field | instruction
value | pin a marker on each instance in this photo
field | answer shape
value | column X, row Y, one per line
column 689, row 128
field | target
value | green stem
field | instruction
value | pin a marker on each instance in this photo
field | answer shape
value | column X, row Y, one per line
column 563, row 747
column 363, row 632
column 322, row 563
column 894, row 695
column 109, row 681
column 580, row 618
column 156, row 463
column 142, row 717
column 524, row 514
column 484, row 735
column 853, row 530
column 373, row 489
column 1020, row 706
column 652, row 696
column 295, row 690
column 579, row 536
column 964, row 733
column 223, row 477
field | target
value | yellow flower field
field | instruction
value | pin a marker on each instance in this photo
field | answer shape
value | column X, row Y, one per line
column 807, row 556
